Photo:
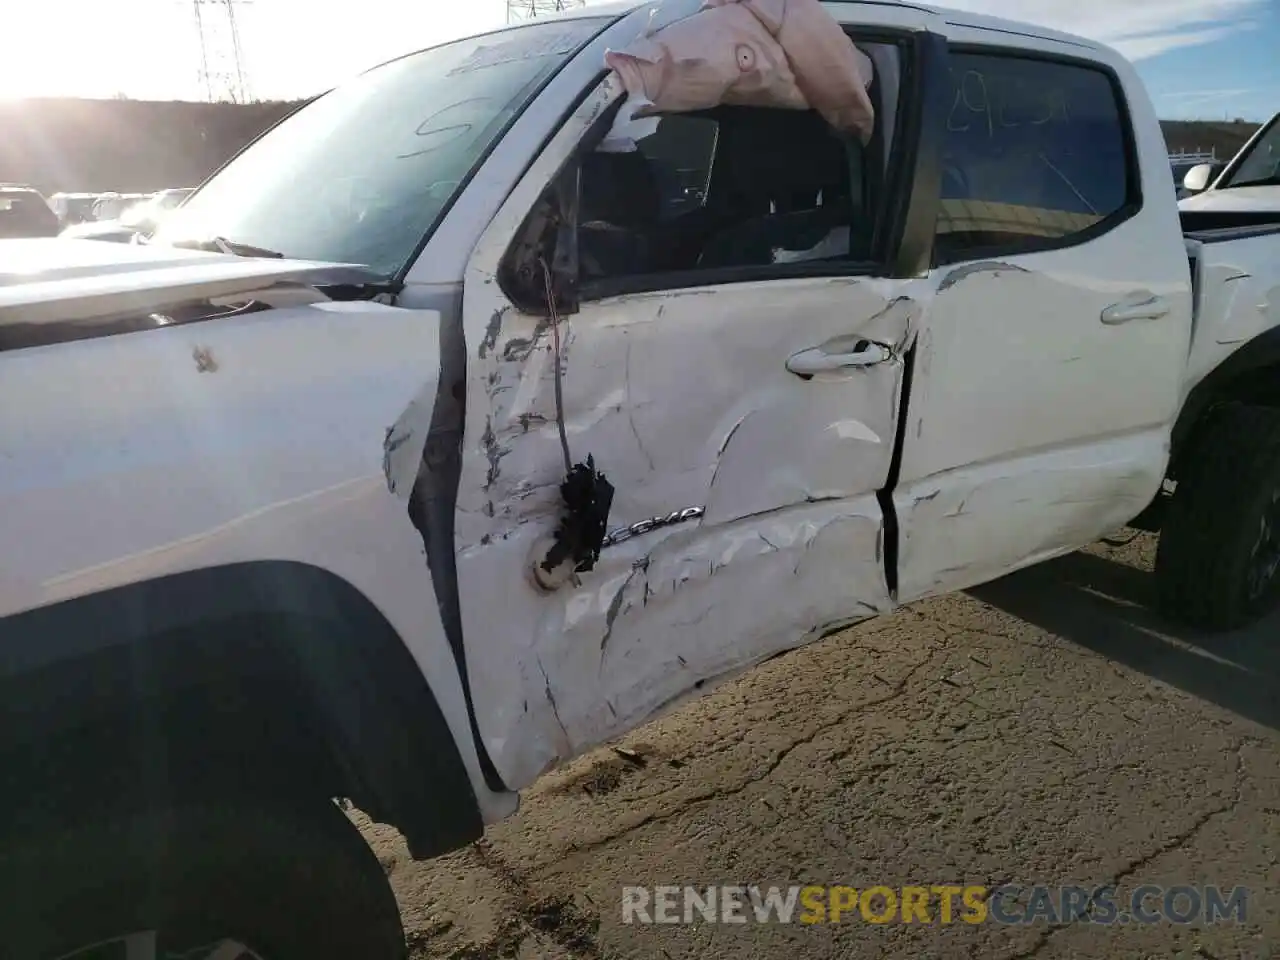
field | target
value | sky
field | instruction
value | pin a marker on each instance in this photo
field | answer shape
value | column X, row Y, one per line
column 1201, row 59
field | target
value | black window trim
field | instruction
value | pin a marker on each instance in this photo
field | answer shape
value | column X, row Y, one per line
column 1134, row 194
column 892, row 232
column 985, row 28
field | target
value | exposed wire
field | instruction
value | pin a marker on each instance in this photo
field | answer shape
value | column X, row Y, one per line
column 555, row 341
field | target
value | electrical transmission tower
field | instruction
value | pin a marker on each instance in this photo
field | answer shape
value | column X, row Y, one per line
column 222, row 71
column 519, row 11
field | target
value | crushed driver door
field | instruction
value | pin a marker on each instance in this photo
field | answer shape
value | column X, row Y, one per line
column 756, row 419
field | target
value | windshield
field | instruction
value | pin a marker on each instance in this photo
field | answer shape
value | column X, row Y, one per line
column 363, row 173
column 1261, row 165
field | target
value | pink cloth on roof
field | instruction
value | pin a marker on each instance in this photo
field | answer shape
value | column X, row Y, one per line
column 764, row 53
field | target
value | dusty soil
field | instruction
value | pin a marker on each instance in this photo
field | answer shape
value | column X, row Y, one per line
column 1045, row 729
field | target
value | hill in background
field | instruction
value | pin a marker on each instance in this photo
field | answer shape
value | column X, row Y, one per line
column 133, row 146
column 140, row 146
column 1226, row 137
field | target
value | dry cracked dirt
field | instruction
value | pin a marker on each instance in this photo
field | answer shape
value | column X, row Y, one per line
column 1046, row 728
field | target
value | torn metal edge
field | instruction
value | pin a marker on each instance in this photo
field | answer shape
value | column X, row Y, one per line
column 433, row 501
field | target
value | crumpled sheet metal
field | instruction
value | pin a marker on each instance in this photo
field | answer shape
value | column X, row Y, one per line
column 790, row 54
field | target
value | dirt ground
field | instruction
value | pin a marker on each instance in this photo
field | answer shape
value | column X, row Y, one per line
column 1043, row 729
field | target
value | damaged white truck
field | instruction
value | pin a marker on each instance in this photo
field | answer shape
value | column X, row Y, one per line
column 469, row 418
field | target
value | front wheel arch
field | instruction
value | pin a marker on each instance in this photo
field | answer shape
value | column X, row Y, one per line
column 275, row 679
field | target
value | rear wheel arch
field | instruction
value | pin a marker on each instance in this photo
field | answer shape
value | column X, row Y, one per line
column 1250, row 375
column 1216, row 565
column 268, row 678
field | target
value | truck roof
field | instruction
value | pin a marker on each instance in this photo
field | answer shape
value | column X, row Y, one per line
column 959, row 18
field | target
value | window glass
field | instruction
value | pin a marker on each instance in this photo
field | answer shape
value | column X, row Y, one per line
column 363, row 173
column 680, row 153
column 1261, row 166
column 734, row 187
column 1035, row 152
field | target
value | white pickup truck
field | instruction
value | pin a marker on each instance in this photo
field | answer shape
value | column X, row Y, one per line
column 427, row 446
column 1249, row 182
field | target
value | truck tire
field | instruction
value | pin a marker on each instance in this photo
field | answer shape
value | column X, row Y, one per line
column 1219, row 552
column 234, row 882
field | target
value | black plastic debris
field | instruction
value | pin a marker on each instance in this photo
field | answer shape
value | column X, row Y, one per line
column 587, row 497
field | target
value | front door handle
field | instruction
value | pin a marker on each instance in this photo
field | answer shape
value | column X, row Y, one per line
column 1145, row 308
column 863, row 353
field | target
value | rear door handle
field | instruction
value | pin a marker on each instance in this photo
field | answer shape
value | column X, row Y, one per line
column 864, row 353
column 1146, row 308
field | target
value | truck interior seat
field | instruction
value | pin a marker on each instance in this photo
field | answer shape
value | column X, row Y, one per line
column 619, row 208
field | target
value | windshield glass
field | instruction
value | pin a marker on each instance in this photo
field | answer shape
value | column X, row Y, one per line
column 1262, row 164
column 364, row 172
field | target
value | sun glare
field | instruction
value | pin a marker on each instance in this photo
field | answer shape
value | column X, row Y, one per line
column 87, row 48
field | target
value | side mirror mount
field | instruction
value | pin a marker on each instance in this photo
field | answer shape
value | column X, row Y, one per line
column 546, row 245
column 1198, row 178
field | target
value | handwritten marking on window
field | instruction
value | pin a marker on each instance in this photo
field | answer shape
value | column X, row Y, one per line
column 443, row 127
column 514, row 51
column 993, row 102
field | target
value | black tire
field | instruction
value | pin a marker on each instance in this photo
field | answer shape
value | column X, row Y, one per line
column 289, row 886
column 1214, row 551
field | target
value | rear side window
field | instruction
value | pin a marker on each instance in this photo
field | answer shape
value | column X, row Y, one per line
column 1036, row 156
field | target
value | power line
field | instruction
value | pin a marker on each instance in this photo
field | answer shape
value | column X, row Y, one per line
column 519, row 11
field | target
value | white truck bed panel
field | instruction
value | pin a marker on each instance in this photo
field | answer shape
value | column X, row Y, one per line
column 1236, row 278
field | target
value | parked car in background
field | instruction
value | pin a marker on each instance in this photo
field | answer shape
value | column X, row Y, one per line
column 73, row 208
column 145, row 216
column 24, row 212
column 142, row 218
column 1249, row 182
column 109, row 206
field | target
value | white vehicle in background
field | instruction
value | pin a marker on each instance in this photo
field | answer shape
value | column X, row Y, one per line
column 1249, row 182
column 472, row 445
column 141, row 218
column 73, row 208
column 110, row 205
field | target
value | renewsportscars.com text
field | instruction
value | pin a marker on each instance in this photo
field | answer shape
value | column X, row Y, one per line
column 934, row 904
